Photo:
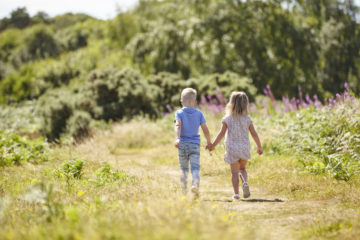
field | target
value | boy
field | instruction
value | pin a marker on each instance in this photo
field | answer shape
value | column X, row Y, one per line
column 187, row 122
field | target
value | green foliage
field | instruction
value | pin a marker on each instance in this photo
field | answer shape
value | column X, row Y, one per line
column 8, row 42
column 78, row 125
column 325, row 140
column 227, row 82
column 20, row 18
column 122, row 29
column 18, row 86
column 40, row 43
column 55, row 108
column 171, row 86
column 71, row 169
column 16, row 150
column 20, row 118
column 115, row 94
column 105, row 175
column 69, row 19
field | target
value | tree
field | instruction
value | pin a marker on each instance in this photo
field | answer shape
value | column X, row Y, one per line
column 20, row 18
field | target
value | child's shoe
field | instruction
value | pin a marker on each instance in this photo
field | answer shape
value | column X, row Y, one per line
column 246, row 190
column 195, row 191
column 235, row 197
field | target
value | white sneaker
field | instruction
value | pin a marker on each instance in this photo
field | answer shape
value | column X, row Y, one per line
column 246, row 190
column 235, row 197
column 195, row 191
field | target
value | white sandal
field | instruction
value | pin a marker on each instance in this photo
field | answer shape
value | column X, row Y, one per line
column 246, row 190
column 235, row 197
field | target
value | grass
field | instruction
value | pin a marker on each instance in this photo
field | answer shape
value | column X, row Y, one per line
column 129, row 189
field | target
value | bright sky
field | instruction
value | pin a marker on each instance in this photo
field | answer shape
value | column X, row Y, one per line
column 103, row 9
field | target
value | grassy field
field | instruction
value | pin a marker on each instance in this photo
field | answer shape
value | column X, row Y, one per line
column 123, row 184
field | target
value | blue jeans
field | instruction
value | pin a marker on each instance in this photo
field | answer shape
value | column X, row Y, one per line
column 189, row 152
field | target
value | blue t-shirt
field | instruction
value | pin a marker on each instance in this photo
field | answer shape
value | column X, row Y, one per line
column 191, row 119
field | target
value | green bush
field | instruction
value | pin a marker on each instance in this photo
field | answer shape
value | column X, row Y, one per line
column 54, row 109
column 20, row 118
column 18, row 86
column 78, row 125
column 16, row 150
column 72, row 168
column 227, row 82
column 73, row 37
column 105, row 175
column 54, row 73
column 40, row 43
column 324, row 140
column 170, row 85
column 115, row 94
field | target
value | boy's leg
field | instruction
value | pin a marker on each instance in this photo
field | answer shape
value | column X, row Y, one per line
column 242, row 168
column 234, row 167
column 195, row 164
column 184, row 167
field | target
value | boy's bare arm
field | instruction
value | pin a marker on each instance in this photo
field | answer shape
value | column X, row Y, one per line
column 256, row 138
column 206, row 133
column 177, row 129
column 220, row 135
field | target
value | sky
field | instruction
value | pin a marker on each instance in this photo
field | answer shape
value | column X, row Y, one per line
column 103, row 9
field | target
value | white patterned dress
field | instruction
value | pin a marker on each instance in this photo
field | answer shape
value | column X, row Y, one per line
column 237, row 143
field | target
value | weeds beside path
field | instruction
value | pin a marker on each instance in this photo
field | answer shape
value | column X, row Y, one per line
column 130, row 190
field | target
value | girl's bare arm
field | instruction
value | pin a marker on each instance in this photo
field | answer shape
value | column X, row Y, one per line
column 220, row 135
column 256, row 138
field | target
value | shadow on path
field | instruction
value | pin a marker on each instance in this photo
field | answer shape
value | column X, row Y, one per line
column 244, row 200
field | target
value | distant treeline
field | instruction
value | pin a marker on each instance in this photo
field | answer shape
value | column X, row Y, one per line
column 312, row 44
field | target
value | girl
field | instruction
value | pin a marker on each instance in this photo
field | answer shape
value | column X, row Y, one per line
column 237, row 145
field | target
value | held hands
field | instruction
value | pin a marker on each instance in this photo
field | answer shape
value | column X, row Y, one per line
column 210, row 146
column 259, row 151
column 177, row 143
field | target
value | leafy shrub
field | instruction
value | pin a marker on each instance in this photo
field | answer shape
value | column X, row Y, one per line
column 105, row 175
column 78, row 125
column 19, row 118
column 115, row 94
column 39, row 42
column 55, row 108
column 69, row 19
column 122, row 28
column 227, row 82
column 71, row 169
column 325, row 139
column 73, row 37
column 18, row 86
column 54, row 73
column 8, row 42
column 16, row 150
column 170, row 85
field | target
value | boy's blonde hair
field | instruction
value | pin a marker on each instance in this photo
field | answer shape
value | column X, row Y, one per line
column 188, row 95
column 237, row 105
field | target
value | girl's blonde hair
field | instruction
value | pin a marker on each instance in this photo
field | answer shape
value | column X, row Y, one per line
column 237, row 105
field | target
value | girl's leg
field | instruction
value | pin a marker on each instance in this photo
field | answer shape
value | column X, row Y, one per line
column 234, row 167
column 243, row 175
column 242, row 169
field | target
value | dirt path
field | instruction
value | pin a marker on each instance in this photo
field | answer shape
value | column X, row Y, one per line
column 278, row 216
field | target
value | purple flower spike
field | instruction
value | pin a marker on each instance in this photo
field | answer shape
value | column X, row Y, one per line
column 346, row 85
column 338, row 95
column 168, row 107
column 268, row 86
column 266, row 92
